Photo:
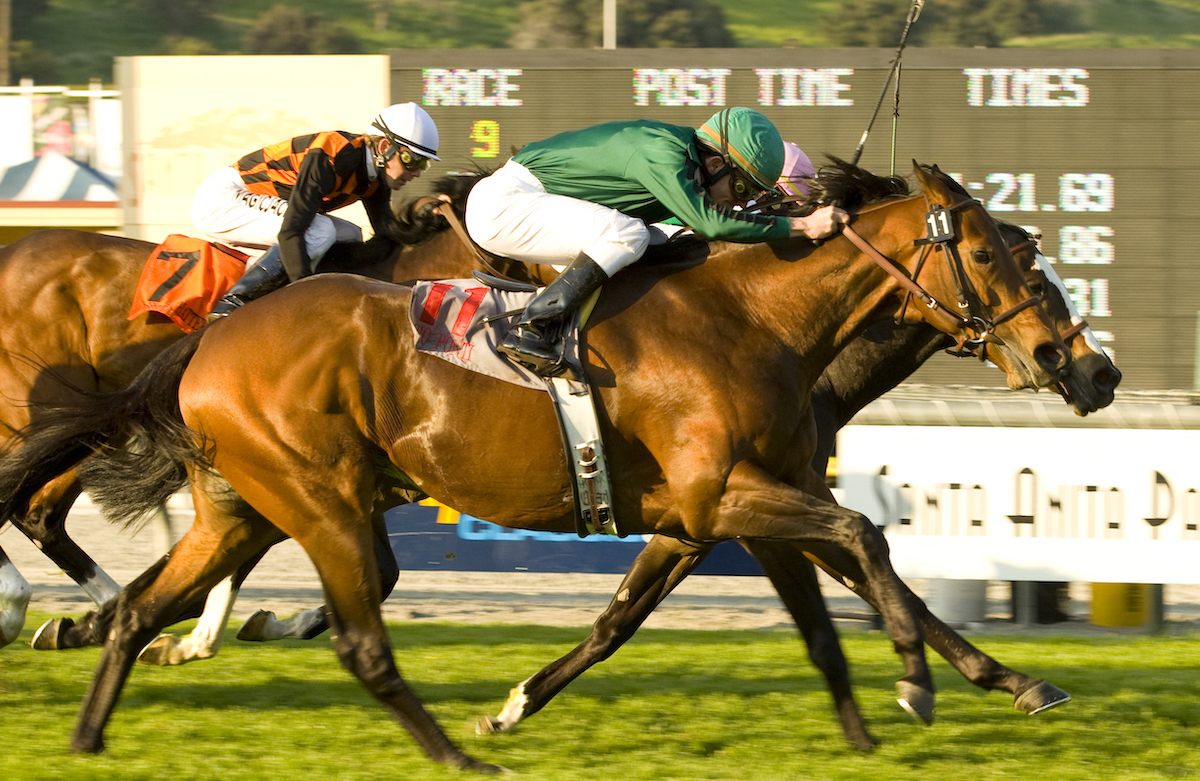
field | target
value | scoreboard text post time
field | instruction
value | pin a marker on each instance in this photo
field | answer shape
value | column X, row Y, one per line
column 1098, row 151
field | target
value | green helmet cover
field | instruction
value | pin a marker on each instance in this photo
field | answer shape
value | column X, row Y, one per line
column 749, row 141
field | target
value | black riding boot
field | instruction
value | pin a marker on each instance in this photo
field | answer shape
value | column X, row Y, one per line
column 263, row 277
column 533, row 339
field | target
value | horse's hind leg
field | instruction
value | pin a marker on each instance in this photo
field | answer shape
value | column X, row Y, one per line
column 1030, row 695
column 45, row 524
column 307, row 624
column 204, row 640
column 661, row 566
column 310, row 623
column 15, row 593
column 796, row 582
column 212, row 549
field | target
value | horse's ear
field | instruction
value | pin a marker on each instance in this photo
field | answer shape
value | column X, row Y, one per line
column 922, row 173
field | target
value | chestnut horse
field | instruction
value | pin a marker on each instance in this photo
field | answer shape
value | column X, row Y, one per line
column 704, row 407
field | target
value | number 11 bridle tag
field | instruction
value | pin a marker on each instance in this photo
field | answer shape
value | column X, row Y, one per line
column 939, row 227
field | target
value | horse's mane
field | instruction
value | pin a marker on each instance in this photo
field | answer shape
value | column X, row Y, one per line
column 415, row 219
column 844, row 184
column 1017, row 230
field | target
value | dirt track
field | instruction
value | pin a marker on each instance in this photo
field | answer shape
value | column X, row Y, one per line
column 286, row 582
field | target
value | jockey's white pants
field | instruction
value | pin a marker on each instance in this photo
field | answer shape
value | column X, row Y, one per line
column 225, row 210
column 509, row 213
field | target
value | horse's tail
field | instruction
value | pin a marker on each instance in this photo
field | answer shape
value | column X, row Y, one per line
column 145, row 417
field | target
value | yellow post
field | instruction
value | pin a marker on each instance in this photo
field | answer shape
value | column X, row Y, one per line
column 1118, row 604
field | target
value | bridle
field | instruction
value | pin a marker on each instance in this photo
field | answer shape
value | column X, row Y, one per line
column 1074, row 329
column 970, row 317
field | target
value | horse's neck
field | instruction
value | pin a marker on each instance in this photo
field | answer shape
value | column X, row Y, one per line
column 872, row 364
column 820, row 304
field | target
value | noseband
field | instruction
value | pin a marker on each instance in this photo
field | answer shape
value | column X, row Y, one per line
column 970, row 317
column 1075, row 329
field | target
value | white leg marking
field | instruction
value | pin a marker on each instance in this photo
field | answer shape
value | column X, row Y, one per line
column 296, row 626
column 205, row 639
column 15, row 592
column 100, row 587
column 514, row 709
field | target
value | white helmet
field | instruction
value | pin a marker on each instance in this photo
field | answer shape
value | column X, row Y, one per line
column 407, row 124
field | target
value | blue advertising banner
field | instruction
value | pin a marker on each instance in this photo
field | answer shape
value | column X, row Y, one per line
column 428, row 536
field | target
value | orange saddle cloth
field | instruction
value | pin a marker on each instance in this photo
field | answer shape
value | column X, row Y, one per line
column 184, row 278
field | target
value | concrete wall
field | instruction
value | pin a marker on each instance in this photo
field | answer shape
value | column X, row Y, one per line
column 185, row 117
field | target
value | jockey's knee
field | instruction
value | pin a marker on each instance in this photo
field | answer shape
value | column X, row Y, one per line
column 320, row 236
column 620, row 247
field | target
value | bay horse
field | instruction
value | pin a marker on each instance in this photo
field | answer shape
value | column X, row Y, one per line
column 344, row 417
column 869, row 367
column 64, row 329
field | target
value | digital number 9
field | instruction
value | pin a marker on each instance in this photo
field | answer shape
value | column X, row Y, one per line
column 487, row 133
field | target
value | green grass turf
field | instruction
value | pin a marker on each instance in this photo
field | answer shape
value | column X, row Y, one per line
column 670, row 705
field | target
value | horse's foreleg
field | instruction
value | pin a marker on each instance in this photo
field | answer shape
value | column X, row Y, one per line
column 661, row 565
column 45, row 524
column 15, row 593
column 1030, row 695
column 794, row 577
column 756, row 505
column 344, row 559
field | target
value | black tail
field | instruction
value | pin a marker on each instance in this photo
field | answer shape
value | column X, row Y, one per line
column 145, row 417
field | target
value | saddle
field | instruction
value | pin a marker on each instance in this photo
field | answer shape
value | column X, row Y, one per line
column 183, row 278
column 463, row 320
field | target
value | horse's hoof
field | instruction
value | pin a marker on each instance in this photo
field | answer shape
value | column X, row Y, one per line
column 916, row 700
column 87, row 745
column 49, row 636
column 161, row 652
column 488, row 725
column 864, row 742
column 252, row 630
column 486, row 768
column 1042, row 696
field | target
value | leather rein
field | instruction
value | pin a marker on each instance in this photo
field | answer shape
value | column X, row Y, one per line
column 970, row 316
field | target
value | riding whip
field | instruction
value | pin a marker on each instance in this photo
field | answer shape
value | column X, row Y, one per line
column 913, row 13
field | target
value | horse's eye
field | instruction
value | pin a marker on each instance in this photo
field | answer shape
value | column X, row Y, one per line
column 1037, row 287
column 982, row 255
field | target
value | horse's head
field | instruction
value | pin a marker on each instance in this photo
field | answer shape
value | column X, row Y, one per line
column 992, row 311
column 1091, row 378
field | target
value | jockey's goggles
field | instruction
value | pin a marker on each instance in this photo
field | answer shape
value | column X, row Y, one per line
column 413, row 162
column 744, row 189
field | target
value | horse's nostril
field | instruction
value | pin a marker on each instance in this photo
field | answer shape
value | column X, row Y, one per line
column 1050, row 357
column 1107, row 379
